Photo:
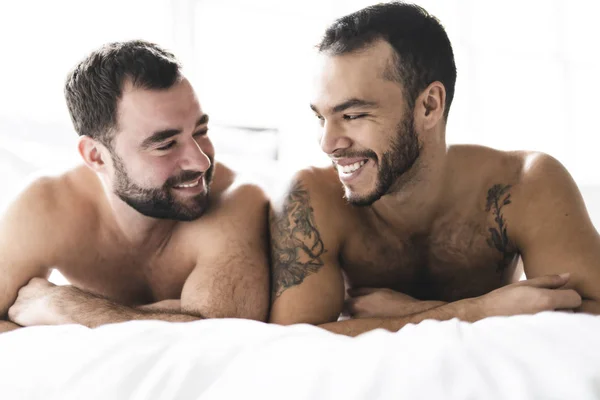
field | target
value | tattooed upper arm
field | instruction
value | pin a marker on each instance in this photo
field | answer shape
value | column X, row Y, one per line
column 299, row 250
column 296, row 244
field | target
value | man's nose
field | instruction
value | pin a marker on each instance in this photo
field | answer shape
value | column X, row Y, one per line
column 333, row 138
column 194, row 158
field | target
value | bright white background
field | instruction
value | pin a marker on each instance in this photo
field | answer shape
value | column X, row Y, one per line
column 527, row 76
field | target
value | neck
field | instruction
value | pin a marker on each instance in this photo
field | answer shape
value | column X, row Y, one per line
column 415, row 198
column 134, row 230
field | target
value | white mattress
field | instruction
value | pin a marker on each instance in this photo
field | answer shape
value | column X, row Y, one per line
column 547, row 356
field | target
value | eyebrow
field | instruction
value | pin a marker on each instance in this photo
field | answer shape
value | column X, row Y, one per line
column 352, row 103
column 161, row 136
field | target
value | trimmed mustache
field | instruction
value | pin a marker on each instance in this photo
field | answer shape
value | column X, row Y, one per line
column 354, row 154
column 369, row 154
column 185, row 176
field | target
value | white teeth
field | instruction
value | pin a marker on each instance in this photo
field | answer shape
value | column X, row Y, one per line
column 190, row 185
column 348, row 169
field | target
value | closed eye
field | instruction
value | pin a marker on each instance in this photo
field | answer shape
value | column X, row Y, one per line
column 167, row 146
column 350, row 117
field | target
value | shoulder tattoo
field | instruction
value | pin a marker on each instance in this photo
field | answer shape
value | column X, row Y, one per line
column 296, row 244
column 498, row 197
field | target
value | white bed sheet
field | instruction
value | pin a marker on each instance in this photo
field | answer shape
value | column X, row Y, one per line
column 546, row 356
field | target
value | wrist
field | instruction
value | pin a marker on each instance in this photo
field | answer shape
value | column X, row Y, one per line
column 471, row 310
column 62, row 302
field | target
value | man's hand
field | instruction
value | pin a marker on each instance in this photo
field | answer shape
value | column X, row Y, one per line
column 529, row 297
column 545, row 293
column 42, row 303
column 36, row 304
column 384, row 303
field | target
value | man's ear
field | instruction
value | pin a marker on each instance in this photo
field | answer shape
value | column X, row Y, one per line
column 430, row 106
column 92, row 153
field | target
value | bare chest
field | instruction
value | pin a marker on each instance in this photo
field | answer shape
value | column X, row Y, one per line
column 455, row 260
column 127, row 278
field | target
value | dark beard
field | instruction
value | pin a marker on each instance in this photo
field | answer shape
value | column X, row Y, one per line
column 404, row 152
column 160, row 202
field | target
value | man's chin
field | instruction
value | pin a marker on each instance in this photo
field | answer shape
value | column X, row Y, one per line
column 177, row 211
column 191, row 212
column 361, row 199
column 187, row 217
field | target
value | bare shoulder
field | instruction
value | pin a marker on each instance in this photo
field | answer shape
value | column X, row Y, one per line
column 312, row 205
column 233, row 192
column 321, row 188
column 545, row 184
column 530, row 174
column 40, row 199
column 477, row 169
column 486, row 161
column 535, row 181
column 540, row 169
column 44, row 214
column 518, row 166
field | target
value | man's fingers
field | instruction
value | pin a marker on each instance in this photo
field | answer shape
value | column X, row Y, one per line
column 564, row 299
column 363, row 291
column 354, row 308
column 547, row 281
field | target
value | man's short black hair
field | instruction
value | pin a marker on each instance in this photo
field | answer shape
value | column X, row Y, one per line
column 422, row 48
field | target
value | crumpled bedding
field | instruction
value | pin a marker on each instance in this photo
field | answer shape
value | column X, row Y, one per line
column 546, row 356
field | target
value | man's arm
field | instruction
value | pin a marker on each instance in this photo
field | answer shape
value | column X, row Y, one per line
column 384, row 303
column 308, row 285
column 549, row 222
column 544, row 293
column 27, row 245
column 33, row 233
column 43, row 303
column 231, row 279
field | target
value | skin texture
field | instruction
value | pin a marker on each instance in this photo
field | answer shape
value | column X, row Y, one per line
column 124, row 265
column 449, row 237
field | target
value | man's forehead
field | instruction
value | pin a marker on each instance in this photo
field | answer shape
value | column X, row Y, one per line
column 143, row 109
column 371, row 60
column 360, row 74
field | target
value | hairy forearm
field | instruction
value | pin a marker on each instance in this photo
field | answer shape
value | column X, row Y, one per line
column 464, row 310
column 92, row 311
column 417, row 307
column 7, row 326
